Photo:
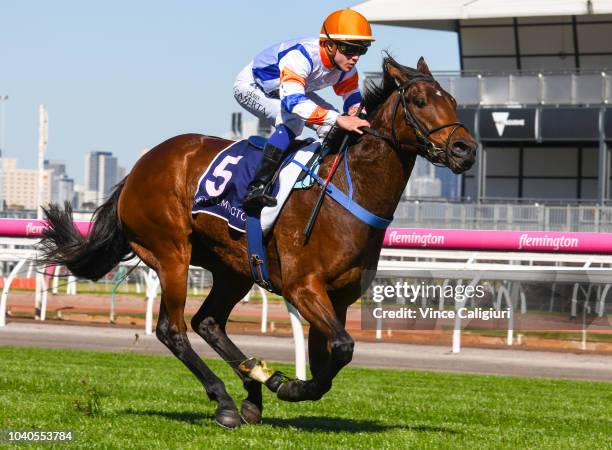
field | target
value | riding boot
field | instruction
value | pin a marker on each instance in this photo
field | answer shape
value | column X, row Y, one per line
column 256, row 196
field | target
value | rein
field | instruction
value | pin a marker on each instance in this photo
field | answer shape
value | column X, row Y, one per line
column 427, row 147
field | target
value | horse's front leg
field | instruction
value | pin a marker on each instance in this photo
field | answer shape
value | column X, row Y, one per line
column 311, row 299
column 319, row 345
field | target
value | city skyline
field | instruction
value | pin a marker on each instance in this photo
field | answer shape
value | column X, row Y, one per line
column 133, row 88
column 18, row 185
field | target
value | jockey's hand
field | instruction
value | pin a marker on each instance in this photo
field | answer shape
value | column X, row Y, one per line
column 352, row 123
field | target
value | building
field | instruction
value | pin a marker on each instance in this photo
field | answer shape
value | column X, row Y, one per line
column 19, row 186
column 101, row 174
column 85, row 199
column 241, row 130
column 61, row 185
column 534, row 88
column 423, row 181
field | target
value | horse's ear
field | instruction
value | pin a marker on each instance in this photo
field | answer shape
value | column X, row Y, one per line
column 422, row 67
column 396, row 73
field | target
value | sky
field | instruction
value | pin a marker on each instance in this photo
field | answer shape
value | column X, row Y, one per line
column 123, row 76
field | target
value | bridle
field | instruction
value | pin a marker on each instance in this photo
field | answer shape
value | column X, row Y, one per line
column 426, row 146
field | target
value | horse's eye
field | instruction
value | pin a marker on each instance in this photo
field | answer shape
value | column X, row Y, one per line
column 419, row 102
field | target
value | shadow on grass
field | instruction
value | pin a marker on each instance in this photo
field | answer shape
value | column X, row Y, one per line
column 305, row 423
column 341, row 424
column 190, row 417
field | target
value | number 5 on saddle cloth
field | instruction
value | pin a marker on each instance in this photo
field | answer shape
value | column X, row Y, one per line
column 223, row 185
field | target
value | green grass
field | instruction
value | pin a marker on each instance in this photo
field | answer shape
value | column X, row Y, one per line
column 125, row 400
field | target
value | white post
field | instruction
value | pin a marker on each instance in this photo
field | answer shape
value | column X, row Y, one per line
column 574, row 301
column 152, row 283
column 38, row 296
column 5, row 291
column 510, row 334
column 3, row 99
column 379, row 323
column 298, row 342
column 43, row 303
column 264, row 309
column 456, row 345
column 602, row 299
column 71, row 285
column 42, row 147
column 56, row 273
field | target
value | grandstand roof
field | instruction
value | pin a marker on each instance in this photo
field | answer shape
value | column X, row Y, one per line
column 442, row 14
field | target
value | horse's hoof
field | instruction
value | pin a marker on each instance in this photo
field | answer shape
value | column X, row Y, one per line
column 275, row 381
column 250, row 412
column 227, row 418
column 297, row 391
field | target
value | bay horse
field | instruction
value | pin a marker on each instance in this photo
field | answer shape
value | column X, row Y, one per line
column 149, row 215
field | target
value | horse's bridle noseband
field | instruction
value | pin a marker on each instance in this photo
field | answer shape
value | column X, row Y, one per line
column 427, row 148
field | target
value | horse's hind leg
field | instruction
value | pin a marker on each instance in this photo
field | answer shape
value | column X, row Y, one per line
column 209, row 322
column 172, row 331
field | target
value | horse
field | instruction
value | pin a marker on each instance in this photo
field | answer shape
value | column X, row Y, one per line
column 149, row 215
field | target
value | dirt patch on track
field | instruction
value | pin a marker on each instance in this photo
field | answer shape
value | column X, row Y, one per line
column 246, row 319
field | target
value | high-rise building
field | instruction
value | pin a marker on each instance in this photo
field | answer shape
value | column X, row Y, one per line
column 101, row 173
column 107, row 174
column 19, row 185
column 61, row 185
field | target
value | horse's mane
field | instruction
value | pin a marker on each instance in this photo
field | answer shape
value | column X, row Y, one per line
column 376, row 94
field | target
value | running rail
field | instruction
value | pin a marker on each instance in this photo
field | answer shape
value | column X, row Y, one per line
column 441, row 239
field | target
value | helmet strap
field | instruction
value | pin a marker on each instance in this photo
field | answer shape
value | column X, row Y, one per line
column 331, row 56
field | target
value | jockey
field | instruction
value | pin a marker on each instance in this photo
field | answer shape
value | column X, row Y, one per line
column 278, row 86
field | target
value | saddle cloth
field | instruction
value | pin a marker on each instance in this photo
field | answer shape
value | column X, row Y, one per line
column 223, row 185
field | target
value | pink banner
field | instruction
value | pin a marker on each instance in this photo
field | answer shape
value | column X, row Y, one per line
column 443, row 239
column 499, row 240
column 32, row 228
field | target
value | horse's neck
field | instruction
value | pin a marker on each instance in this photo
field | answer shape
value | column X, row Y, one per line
column 378, row 173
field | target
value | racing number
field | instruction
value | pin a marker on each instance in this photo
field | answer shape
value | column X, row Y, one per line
column 220, row 171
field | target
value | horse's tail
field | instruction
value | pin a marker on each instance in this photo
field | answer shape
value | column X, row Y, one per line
column 88, row 257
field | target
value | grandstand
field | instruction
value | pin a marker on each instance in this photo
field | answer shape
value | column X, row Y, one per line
column 534, row 86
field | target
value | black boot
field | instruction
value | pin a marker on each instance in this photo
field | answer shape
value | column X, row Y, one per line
column 256, row 196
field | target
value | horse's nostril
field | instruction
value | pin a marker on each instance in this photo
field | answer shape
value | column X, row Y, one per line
column 462, row 148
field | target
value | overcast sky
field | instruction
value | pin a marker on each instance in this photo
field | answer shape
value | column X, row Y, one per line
column 122, row 76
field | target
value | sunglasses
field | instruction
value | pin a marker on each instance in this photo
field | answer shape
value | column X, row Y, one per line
column 352, row 48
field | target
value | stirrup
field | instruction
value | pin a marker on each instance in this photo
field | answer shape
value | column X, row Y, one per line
column 257, row 198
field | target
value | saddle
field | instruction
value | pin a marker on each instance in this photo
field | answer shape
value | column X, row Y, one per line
column 303, row 181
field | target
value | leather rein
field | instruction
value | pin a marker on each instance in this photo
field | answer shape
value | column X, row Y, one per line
column 425, row 145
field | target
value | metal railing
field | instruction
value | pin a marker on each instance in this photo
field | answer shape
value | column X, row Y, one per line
column 584, row 87
column 503, row 216
column 484, row 216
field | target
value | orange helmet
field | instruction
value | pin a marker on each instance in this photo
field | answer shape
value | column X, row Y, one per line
column 346, row 25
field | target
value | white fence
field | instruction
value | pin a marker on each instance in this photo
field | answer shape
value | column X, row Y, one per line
column 502, row 216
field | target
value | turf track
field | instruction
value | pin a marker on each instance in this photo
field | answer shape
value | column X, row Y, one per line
column 125, row 400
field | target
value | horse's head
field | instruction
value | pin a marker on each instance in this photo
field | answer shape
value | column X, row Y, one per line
column 421, row 116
